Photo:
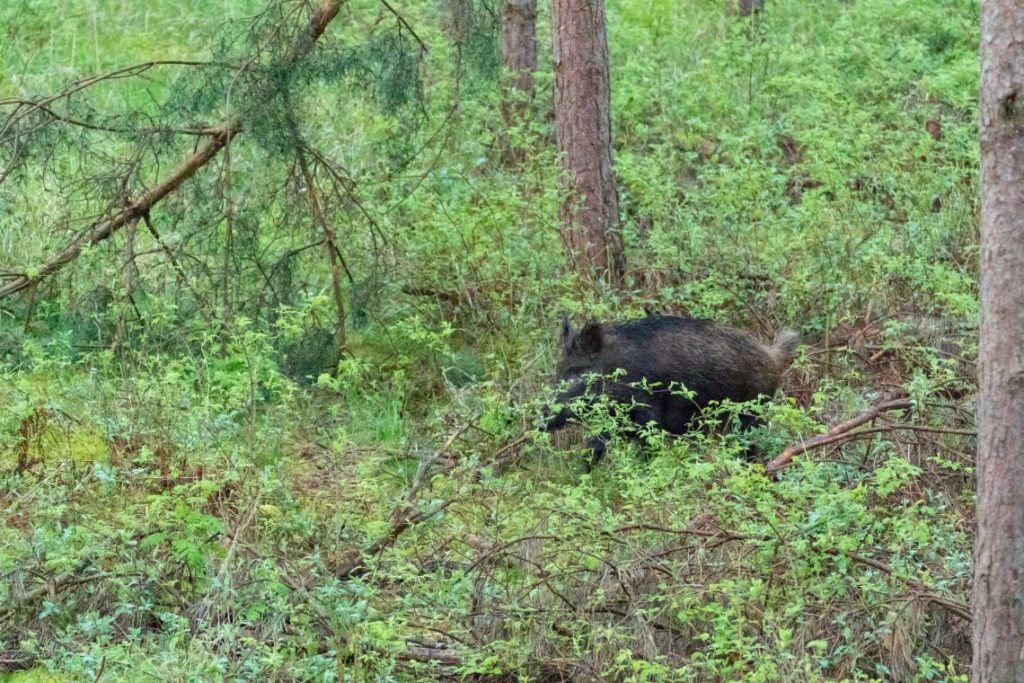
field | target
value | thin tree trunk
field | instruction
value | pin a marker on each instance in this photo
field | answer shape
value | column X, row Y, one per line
column 744, row 8
column 330, row 244
column 519, row 43
column 998, row 598
column 519, row 54
column 590, row 211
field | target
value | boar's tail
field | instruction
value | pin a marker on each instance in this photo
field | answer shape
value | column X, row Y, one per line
column 784, row 346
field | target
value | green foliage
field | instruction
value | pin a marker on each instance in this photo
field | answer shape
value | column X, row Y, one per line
column 195, row 485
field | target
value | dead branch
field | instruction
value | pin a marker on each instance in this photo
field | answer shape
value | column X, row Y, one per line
column 424, row 466
column 932, row 430
column 51, row 586
column 179, row 272
column 401, row 20
column 401, row 520
column 510, row 446
column 451, row 297
column 719, row 534
column 956, row 607
column 430, row 655
column 126, row 216
column 15, row 660
column 491, row 553
column 322, row 16
column 197, row 130
column 841, row 432
column 24, row 107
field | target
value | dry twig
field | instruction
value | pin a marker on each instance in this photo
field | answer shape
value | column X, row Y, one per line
column 841, row 432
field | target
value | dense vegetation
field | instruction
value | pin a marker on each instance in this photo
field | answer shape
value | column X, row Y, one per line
column 193, row 489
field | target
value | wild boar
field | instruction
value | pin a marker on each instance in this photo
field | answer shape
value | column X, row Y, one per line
column 644, row 366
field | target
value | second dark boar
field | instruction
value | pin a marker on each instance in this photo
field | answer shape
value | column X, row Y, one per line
column 664, row 354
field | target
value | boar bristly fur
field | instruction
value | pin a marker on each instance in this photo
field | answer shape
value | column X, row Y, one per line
column 665, row 354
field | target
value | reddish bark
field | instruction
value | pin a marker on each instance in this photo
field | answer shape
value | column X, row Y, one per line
column 998, row 593
column 590, row 211
column 519, row 43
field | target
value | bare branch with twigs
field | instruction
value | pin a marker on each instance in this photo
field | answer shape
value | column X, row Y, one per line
column 220, row 138
column 839, row 433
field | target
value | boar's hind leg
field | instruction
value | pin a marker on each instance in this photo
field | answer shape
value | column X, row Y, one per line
column 556, row 420
column 748, row 422
column 641, row 415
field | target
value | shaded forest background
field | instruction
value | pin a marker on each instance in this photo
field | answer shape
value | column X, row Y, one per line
column 196, row 486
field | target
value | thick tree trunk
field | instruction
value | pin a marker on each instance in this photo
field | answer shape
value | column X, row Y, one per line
column 519, row 43
column 590, row 212
column 998, row 600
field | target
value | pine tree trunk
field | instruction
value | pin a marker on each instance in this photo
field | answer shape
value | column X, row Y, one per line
column 519, row 43
column 519, row 54
column 590, row 212
column 998, row 599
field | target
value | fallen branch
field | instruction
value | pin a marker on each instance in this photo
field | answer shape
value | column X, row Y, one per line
column 960, row 609
column 15, row 660
column 400, row 522
column 430, row 655
column 425, row 464
column 135, row 210
column 511, row 446
column 933, row 430
column 52, row 586
column 719, row 534
column 451, row 297
column 841, row 432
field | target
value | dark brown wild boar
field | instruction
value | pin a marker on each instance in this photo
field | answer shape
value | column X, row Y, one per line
column 655, row 358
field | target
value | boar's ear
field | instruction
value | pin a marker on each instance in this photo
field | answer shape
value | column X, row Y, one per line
column 566, row 330
column 590, row 339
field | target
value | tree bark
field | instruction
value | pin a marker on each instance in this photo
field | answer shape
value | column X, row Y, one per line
column 998, row 597
column 519, row 43
column 519, row 55
column 590, row 211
